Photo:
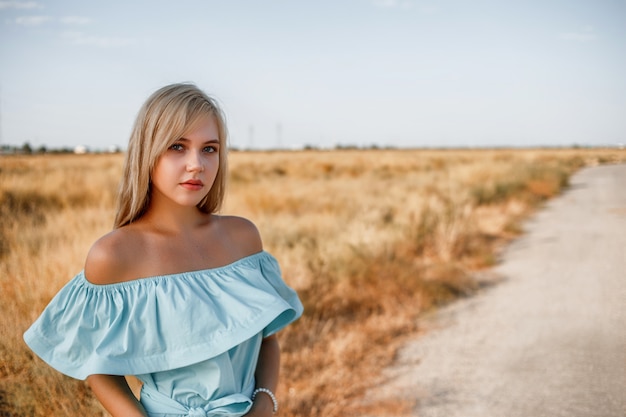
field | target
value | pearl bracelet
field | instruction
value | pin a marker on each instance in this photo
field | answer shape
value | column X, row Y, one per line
column 270, row 393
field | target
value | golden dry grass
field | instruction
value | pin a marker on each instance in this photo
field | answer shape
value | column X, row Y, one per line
column 370, row 239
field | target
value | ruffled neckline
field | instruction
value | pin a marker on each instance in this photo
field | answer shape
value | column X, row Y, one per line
column 162, row 322
column 185, row 274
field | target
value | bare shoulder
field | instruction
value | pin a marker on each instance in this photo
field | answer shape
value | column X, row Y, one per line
column 242, row 233
column 110, row 257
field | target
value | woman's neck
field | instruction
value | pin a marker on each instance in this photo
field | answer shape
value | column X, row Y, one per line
column 173, row 218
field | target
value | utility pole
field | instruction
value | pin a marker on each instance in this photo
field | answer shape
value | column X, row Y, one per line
column 251, row 137
column 279, row 136
column 0, row 117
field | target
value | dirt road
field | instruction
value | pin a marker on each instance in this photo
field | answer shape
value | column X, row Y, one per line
column 550, row 340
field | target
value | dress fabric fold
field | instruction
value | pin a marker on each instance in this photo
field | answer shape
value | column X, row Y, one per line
column 192, row 336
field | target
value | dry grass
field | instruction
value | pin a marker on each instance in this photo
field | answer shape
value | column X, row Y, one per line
column 370, row 239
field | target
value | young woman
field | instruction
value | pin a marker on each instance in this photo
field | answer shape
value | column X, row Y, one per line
column 184, row 299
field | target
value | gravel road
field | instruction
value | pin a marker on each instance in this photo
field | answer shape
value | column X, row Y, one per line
column 550, row 339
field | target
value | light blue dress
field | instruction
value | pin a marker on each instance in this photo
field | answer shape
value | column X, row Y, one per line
column 192, row 338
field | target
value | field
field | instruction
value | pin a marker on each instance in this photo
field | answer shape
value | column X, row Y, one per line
column 371, row 240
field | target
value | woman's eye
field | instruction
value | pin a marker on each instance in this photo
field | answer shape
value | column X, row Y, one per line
column 176, row 147
column 210, row 149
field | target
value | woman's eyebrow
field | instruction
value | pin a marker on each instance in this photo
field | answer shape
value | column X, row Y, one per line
column 183, row 139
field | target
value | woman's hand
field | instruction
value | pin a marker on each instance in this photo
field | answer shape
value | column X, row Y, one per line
column 262, row 406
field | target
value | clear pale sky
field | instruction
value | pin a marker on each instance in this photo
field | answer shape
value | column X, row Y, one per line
column 403, row 73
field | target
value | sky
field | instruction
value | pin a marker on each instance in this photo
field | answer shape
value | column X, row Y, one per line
column 294, row 73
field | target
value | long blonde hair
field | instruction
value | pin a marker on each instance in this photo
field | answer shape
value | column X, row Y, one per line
column 165, row 117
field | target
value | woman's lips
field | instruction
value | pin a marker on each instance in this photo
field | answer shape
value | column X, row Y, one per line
column 192, row 185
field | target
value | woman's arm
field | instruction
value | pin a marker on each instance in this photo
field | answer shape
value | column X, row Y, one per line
column 266, row 376
column 115, row 395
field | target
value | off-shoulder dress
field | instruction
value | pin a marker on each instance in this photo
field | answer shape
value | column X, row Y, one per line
column 192, row 338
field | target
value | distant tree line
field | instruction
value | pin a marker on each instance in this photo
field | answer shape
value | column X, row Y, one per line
column 28, row 149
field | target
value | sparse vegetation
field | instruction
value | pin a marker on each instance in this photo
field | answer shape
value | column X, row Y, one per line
column 371, row 239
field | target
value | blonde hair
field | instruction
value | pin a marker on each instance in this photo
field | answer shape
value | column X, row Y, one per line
column 165, row 117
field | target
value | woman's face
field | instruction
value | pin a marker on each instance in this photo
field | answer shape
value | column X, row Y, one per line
column 185, row 173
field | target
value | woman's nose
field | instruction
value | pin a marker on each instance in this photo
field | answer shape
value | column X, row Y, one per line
column 195, row 162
